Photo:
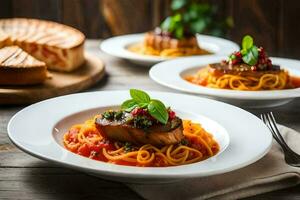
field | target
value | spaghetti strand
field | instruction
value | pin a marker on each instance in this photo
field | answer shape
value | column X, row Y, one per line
column 87, row 140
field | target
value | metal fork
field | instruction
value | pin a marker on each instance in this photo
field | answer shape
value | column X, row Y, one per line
column 290, row 156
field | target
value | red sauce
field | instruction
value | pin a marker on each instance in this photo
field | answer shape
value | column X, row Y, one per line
column 295, row 81
column 94, row 149
column 200, row 81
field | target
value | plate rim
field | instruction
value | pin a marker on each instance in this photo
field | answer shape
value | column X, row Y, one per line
column 121, row 173
column 182, row 85
column 122, row 52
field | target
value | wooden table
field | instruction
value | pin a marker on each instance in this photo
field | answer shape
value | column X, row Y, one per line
column 25, row 177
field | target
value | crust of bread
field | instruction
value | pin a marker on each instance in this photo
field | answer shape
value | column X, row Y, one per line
column 4, row 40
column 19, row 68
column 21, row 76
column 61, row 47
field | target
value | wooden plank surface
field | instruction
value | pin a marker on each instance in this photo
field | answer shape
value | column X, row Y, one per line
column 25, row 177
column 46, row 9
column 260, row 19
column 273, row 23
column 289, row 30
column 85, row 16
column 125, row 17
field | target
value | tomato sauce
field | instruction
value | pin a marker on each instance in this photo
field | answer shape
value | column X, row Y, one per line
column 295, row 81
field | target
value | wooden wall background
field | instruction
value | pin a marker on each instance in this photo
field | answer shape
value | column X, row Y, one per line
column 273, row 23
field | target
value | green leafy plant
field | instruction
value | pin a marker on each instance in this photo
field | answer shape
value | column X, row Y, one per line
column 190, row 17
column 174, row 25
column 142, row 100
column 249, row 51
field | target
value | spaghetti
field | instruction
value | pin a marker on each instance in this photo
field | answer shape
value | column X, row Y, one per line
column 249, row 69
column 89, row 141
column 251, row 82
column 167, row 52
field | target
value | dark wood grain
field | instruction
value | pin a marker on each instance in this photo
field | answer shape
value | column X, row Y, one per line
column 86, row 16
column 25, row 177
column 260, row 19
column 46, row 9
column 127, row 16
column 58, row 183
column 273, row 23
column 6, row 9
column 160, row 10
column 289, row 41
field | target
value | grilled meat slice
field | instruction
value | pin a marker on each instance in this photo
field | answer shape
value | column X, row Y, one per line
column 160, row 42
column 219, row 69
column 157, row 134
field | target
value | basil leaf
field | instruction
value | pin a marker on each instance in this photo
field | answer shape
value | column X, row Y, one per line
column 251, row 56
column 192, row 13
column 178, row 4
column 143, row 105
column 128, row 105
column 177, row 18
column 130, row 109
column 198, row 26
column 179, row 32
column 243, row 51
column 158, row 110
column 139, row 96
column 174, row 25
column 166, row 24
column 195, row 17
column 247, row 42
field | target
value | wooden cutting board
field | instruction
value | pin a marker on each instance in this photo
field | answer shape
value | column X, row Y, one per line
column 59, row 84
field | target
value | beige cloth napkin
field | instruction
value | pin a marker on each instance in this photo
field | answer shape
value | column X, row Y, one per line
column 268, row 174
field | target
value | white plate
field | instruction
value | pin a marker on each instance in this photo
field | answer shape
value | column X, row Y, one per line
column 38, row 130
column 170, row 74
column 117, row 46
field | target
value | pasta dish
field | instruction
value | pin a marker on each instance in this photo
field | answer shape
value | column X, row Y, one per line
column 159, row 43
column 164, row 43
column 249, row 69
column 148, row 135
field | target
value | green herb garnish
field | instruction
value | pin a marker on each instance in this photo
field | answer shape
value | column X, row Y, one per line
column 129, row 105
column 249, row 51
column 128, row 147
column 109, row 115
column 192, row 16
column 118, row 115
column 142, row 100
column 139, row 96
column 112, row 115
column 142, row 122
column 158, row 110
column 184, row 142
column 175, row 25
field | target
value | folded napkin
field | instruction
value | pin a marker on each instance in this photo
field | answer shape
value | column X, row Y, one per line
column 268, row 174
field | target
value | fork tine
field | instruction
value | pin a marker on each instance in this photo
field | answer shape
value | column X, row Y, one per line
column 271, row 126
column 275, row 126
column 292, row 154
column 272, row 122
column 265, row 120
column 262, row 118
